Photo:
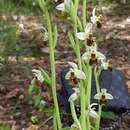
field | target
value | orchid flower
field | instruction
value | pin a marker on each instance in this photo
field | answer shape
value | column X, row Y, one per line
column 91, row 111
column 103, row 96
column 96, row 19
column 74, row 95
column 93, row 56
column 106, row 65
column 38, row 75
column 63, row 5
column 84, row 35
column 74, row 74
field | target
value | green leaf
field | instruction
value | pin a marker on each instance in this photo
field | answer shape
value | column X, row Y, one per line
column 42, row 5
column 72, row 41
column 37, row 100
column 46, row 76
column 79, row 24
column 66, row 128
column 72, row 12
column 109, row 115
column 31, row 89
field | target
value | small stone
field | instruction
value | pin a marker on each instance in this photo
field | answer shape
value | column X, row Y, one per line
column 17, row 114
column 23, row 122
column 11, row 117
column 21, row 97
column 2, row 89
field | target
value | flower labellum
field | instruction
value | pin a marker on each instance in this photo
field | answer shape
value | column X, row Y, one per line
column 90, row 40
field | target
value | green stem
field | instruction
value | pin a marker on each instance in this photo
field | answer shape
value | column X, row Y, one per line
column 82, row 93
column 53, row 72
column 72, row 106
column 99, row 117
column 96, row 80
column 89, row 92
column 98, row 91
column 82, row 88
column 54, row 121
column 84, row 13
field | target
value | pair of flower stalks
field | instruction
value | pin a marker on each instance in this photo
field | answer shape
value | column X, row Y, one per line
column 80, row 78
column 79, row 75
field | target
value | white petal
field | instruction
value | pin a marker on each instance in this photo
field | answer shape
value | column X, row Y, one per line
column 80, row 74
column 104, row 65
column 43, row 102
column 21, row 26
column 103, row 91
column 68, row 75
column 92, row 113
column 76, row 90
column 67, row 2
column 73, row 127
column 94, row 12
column 73, row 65
column 61, row 7
column 38, row 74
column 73, row 97
column 81, row 35
column 97, row 96
column 93, row 104
column 86, row 56
column 36, row 71
column 109, row 96
column 100, row 55
column 15, row 17
column 93, row 20
column 88, row 28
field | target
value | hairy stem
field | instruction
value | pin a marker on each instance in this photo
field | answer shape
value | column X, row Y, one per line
column 99, row 117
column 53, row 72
column 84, row 13
column 88, row 96
column 72, row 106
